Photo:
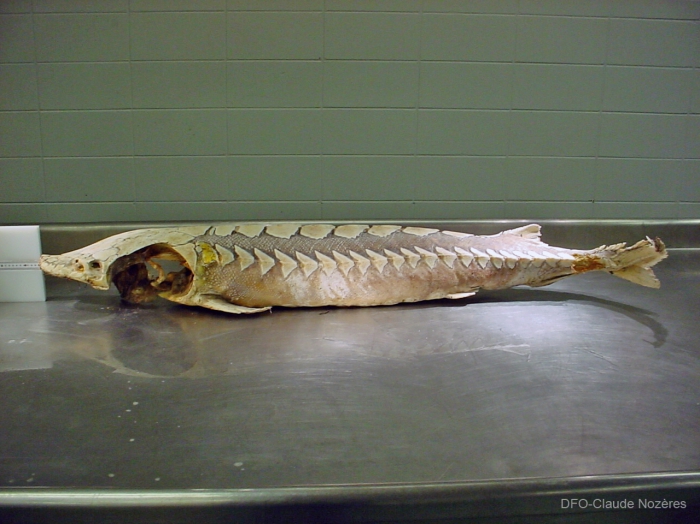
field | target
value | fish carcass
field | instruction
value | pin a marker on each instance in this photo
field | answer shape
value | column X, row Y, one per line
column 250, row 267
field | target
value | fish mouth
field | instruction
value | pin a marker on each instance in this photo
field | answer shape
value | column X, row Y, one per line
column 156, row 270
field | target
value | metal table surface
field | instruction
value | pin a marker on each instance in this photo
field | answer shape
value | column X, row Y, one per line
column 588, row 385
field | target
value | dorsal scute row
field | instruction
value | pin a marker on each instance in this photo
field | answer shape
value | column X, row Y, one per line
column 319, row 231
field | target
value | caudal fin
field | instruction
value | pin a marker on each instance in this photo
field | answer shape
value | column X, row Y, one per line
column 632, row 263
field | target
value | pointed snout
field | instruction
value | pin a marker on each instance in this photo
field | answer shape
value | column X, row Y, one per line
column 55, row 266
column 74, row 268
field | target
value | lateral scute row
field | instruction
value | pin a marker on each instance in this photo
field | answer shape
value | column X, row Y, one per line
column 363, row 261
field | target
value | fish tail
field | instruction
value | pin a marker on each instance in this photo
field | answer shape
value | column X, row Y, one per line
column 632, row 263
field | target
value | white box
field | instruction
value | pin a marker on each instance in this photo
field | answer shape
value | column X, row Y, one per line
column 21, row 280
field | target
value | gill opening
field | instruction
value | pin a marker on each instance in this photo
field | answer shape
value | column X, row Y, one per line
column 155, row 270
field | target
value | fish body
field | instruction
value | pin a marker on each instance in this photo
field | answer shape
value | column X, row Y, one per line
column 248, row 268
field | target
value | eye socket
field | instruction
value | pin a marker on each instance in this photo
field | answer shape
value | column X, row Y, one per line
column 95, row 264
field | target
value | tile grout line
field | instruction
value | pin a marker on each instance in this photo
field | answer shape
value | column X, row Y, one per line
column 353, row 108
column 229, row 103
column 509, row 137
column 322, row 116
column 364, row 60
column 363, row 155
column 38, row 111
column 601, row 112
column 687, row 135
column 388, row 11
column 131, row 109
column 416, row 147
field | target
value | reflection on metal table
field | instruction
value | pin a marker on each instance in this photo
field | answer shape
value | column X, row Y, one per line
column 503, row 404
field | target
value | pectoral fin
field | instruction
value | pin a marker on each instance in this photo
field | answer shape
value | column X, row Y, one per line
column 219, row 304
column 456, row 296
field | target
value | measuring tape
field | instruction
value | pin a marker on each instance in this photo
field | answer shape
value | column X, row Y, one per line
column 19, row 265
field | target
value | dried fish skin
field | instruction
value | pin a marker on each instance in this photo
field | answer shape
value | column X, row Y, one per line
column 251, row 267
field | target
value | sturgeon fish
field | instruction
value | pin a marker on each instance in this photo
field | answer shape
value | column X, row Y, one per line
column 250, row 267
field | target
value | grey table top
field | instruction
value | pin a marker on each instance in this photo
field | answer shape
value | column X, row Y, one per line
column 590, row 377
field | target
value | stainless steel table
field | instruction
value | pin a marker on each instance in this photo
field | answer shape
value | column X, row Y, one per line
column 506, row 404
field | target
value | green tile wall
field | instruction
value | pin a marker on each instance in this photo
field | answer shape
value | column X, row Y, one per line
column 270, row 35
column 95, row 37
column 462, row 85
column 22, row 180
column 104, row 85
column 178, row 36
column 75, row 6
column 275, row 131
column 177, row 179
column 369, row 131
column 180, row 132
column 467, row 38
column 296, row 178
column 154, row 110
column 379, row 84
column 20, row 135
column 561, row 40
column 178, row 84
column 87, row 133
column 274, row 83
column 559, row 87
column 105, row 179
column 18, row 86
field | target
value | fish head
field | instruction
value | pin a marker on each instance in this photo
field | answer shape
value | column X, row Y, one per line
column 130, row 260
column 85, row 265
